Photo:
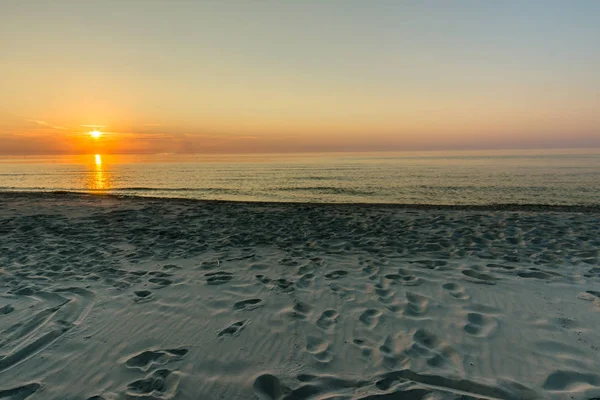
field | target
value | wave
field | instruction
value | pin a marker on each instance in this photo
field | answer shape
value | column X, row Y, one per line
column 122, row 189
column 145, row 189
column 328, row 190
column 516, row 207
column 434, row 195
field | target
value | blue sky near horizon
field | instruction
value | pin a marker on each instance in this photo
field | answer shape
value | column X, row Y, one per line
column 294, row 76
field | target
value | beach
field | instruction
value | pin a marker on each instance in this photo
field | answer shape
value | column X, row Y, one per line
column 114, row 297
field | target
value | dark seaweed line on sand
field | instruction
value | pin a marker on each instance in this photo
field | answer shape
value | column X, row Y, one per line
column 434, row 207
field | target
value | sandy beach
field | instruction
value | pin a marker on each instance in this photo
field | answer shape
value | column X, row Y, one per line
column 111, row 298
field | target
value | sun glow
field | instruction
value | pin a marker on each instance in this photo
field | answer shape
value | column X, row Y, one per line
column 95, row 134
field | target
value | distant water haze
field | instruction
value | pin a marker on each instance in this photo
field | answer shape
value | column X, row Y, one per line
column 564, row 177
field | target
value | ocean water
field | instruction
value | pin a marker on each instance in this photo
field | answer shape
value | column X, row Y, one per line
column 565, row 177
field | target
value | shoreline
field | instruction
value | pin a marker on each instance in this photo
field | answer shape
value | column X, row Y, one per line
column 59, row 194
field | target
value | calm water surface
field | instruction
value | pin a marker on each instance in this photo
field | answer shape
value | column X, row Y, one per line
column 470, row 177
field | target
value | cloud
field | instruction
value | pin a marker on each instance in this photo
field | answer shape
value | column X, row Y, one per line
column 94, row 126
column 46, row 124
column 153, row 124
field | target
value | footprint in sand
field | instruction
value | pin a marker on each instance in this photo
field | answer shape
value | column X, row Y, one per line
column 371, row 270
column 301, row 310
column 478, row 277
column 370, row 317
column 7, row 309
column 456, row 290
column 386, row 295
column 343, row 292
column 160, row 281
column 425, row 339
column 218, row 278
column 269, row 387
column 365, row 349
column 248, row 305
column 595, row 271
column 430, row 264
column 263, row 279
column 289, row 262
column 306, row 280
column 208, row 265
column 283, row 285
column 305, row 269
column 404, row 278
column 501, row 266
column 327, row 319
column 319, row 348
column 118, row 284
column 143, row 296
column 233, row 329
column 338, row 274
column 391, row 353
column 151, row 358
column 417, row 305
column 435, row 351
column 537, row 274
column 258, row 267
column 157, row 385
column 480, row 324
column 159, row 274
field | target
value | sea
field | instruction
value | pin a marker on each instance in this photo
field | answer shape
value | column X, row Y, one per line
column 546, row 177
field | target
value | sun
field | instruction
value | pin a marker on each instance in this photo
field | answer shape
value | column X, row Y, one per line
column 95, row 134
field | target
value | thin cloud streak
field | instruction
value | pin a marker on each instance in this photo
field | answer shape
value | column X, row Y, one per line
column 46, row 124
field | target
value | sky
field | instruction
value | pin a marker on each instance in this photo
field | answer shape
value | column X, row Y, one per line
column 292, row 76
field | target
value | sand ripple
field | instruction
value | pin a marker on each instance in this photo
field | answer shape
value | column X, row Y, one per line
column 105, row 298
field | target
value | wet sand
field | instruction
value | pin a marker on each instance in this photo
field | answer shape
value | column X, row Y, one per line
column 103, row 297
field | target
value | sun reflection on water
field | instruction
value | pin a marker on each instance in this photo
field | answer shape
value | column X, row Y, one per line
column 99, row 178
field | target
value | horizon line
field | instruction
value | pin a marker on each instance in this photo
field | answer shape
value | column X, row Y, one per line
column 303, row 151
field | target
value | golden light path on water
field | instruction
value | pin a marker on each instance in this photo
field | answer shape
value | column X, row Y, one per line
column 99, row 177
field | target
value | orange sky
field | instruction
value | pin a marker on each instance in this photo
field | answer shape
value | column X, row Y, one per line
column 287, row 77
